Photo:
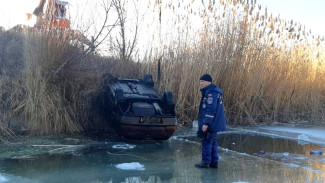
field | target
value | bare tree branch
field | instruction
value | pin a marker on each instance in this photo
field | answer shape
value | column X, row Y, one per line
column 92, row 45
column 126, row 47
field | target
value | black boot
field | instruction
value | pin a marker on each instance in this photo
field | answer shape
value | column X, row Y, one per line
column 213, row 165
column 201, row 165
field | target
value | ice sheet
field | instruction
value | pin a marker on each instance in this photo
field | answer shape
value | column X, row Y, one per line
column 303, row 135
column 316, row 132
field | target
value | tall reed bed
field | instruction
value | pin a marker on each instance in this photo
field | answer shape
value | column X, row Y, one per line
column 270, row 70
column 55, row 86
column 48, row 96
column 50, row 100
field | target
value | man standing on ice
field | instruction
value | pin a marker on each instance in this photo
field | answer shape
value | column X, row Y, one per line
column 211, row 120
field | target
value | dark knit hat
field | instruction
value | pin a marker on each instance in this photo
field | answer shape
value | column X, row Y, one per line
column 206, row 77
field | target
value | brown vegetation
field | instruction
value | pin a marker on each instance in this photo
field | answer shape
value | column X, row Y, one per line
column 54, row 85
column 47, row 97
column 270, row 70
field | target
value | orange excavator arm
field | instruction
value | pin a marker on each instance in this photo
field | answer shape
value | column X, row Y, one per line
column 54, row 15
column 39, row 9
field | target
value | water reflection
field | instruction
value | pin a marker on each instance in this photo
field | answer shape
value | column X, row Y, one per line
column 97, row 164
column 283, row 150
column 169, row 161
column 252, row 143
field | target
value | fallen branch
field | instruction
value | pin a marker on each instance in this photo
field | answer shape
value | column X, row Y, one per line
column 127, row 155
column 57, row 145
column 60, row 148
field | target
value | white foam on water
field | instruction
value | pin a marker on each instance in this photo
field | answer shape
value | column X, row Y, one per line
column 3, row 179
column 130, row 166
column 123, row 146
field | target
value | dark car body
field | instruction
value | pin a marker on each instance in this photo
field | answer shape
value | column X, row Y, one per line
column 137, row 111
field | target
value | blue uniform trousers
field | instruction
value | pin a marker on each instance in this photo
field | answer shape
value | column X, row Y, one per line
column 210, row 149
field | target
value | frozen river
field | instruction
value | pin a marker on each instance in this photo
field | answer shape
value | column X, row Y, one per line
column 254, row 155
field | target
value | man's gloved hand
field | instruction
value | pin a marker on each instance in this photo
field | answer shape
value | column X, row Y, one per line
column 200, row 134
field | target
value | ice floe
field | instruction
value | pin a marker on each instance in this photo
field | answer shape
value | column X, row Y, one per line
column 130, row 166
column 123, row 146
column 3, row 179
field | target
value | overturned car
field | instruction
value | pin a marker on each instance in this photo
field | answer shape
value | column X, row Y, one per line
column 137, row 111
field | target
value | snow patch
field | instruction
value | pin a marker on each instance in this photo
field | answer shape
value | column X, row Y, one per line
column 195, row 124
column 130, row 166
column 303, row 142
column 322, row 160
column 3, row 179
column 313, row 170
column 303, row 137
column 123, row 146
column 286, row 154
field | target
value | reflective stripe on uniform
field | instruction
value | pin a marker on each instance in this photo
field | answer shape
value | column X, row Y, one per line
column 209, row 116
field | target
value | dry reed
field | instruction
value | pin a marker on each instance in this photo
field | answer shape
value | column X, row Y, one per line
column 53, row 92
column 269, row 70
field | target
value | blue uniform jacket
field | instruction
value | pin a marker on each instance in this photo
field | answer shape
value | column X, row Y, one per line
column 211, row 112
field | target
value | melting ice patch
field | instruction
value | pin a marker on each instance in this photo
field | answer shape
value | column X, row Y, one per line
column 123, row 146
column 130, row 166
column 313, row 170
column 303, row 137
column 185, row 140
column 292, row 165
column 3, row 179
